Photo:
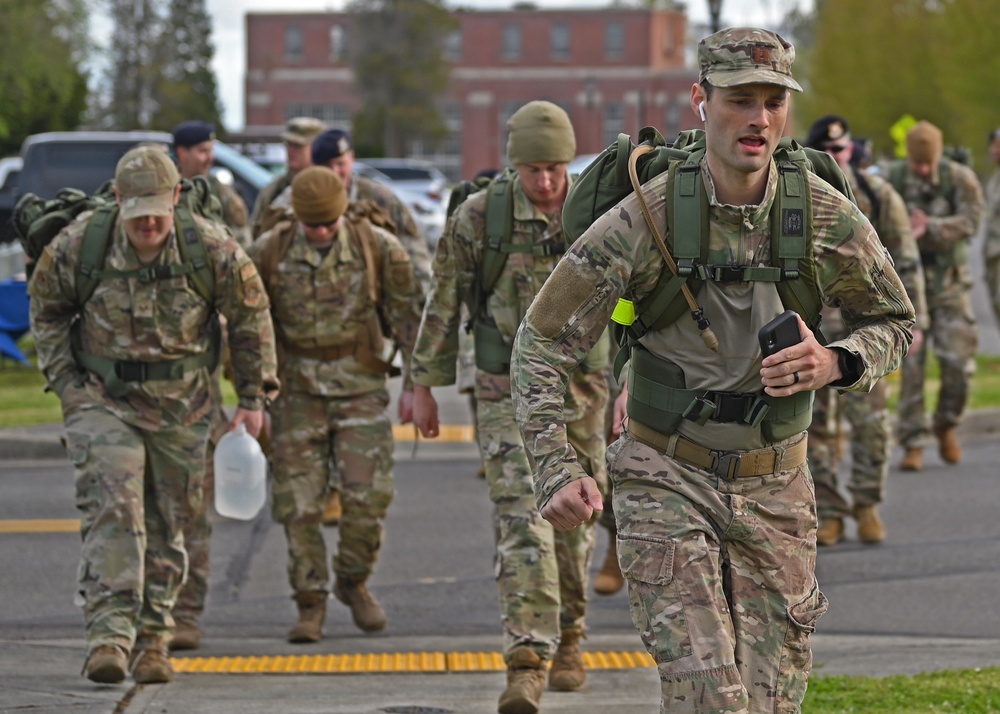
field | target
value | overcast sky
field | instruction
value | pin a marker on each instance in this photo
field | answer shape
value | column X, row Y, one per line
column 229, row 27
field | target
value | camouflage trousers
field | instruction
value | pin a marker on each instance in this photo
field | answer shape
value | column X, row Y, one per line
column 198, row 533
column 542, row 573
column 136, row 490
column 954, row 337
column 868, row 416
column 310, row 436
column 721, row 577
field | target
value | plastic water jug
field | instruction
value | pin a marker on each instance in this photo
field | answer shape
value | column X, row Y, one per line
column 240, row 475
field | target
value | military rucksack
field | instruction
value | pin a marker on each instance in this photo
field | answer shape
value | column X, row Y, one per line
column 897, row 177
column 606, row 182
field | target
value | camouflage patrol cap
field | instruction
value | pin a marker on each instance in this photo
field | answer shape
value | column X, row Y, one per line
column 146, row 178
column 302, row 130
column 746, row 55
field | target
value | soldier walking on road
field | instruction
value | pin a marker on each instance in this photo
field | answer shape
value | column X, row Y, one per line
column 274, row 201
column 712, row 495
column 867, row 413
column 336, row 282
column 991, row 246
column 542, row 575
column 945, row 202
column 133, row 368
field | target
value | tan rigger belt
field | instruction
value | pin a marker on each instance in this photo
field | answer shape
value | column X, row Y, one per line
column 725, row 464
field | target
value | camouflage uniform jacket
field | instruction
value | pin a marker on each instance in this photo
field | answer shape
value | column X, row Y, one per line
column 948, row 225
column 618, row 257
column 152, row 321
column 456, row 268
column 992, row 243
column 322, row 301
column 234, row 210
column 364, row 189
column 893, row 226
column 280, row 187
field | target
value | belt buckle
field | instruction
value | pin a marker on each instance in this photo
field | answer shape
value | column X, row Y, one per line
column 131, row 371
column 726, row 464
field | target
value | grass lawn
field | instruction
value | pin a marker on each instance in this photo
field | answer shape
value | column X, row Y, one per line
column 963, row 691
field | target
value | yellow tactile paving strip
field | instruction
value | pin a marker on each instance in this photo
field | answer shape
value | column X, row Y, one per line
column 61, row 525
column 449, row 433
column 388, row 662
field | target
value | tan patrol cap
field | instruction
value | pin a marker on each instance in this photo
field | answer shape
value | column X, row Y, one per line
column 146, row 179
column 302, row 130
column 746, row 55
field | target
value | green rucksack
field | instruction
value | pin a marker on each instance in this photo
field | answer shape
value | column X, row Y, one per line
column 606, row 182
column 492, row 353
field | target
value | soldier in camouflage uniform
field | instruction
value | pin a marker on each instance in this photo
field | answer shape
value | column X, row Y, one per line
column 194, row 149
column 945, row 202
column 991, row 246
column 334, row 281
column 333, row 148
column 138, row 413
column 542, row 575
column 867, row 413
column 716, row 521
column 275, row 200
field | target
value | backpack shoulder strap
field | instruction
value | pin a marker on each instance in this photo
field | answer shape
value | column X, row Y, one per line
column 947, row 183
column 96, row 237
column 499, row 226
column 192, row 249
column 897, row 176
column 372, row 252
column 275, row 249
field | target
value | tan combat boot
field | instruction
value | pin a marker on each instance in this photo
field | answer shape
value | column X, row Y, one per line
column 525, row 683
column 312, row 612
column 913, row 460
column 333, row 511
column 106, row 664
column 187, row 635
column 948, row 446
column 870, row 528
column 151, row 665
column 609, row 579
column 830, row 531
column 367, row 613
column 567, row 673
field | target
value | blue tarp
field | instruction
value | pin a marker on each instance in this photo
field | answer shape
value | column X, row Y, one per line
column 14, row 321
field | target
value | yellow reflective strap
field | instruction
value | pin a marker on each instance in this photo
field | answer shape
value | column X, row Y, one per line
column 624, row 313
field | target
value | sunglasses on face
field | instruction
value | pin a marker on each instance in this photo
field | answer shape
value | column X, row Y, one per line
column 328, row 226
column 836, row 148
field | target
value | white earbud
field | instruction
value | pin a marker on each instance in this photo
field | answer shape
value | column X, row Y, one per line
column 701, row 110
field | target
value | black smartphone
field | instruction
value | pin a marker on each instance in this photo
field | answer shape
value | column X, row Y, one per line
column 779, row 333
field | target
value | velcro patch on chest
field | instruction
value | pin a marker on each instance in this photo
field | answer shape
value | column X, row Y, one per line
column 792, row 222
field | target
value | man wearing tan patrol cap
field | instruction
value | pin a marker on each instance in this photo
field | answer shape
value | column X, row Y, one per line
column 131, row 361
column 275, row 199
column 946, row 206
column 335, row 280
column 712, row 496
column 542, row 574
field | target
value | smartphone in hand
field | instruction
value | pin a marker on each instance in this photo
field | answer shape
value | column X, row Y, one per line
column 779, row 333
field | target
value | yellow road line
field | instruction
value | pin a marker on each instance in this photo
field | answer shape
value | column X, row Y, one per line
column 60, row 525
column 387, row 662
column 449, row 433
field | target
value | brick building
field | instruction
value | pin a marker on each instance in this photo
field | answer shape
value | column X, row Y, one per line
column 612, row 70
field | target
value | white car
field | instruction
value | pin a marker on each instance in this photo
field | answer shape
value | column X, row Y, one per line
column 427, row 206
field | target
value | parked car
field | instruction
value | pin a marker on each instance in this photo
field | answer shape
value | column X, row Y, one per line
column 10, row 172
column 429, row 212
column 86, row 159
column 416, row 175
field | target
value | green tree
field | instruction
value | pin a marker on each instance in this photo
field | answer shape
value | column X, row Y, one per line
column 399, row 72
column 42, row 87
column 874, row 62
column 186, row 87
column 127, row 100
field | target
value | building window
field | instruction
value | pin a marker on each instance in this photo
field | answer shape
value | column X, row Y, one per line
column 560, row 41
column 294, row 44
column 453, row 46
column 614, row 122
column 335, row 116
column 614, row 41
column 512, row 42
column 338, row 43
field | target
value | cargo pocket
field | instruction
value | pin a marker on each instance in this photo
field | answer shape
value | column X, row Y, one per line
column 87, row 485
column 654, row 595
column 796, row 655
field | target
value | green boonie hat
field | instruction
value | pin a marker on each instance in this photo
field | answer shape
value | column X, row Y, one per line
column 746, row 55
column 302, row 130
column 146, row 179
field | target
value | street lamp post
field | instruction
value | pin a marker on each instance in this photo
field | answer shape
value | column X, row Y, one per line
column 715, row 9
